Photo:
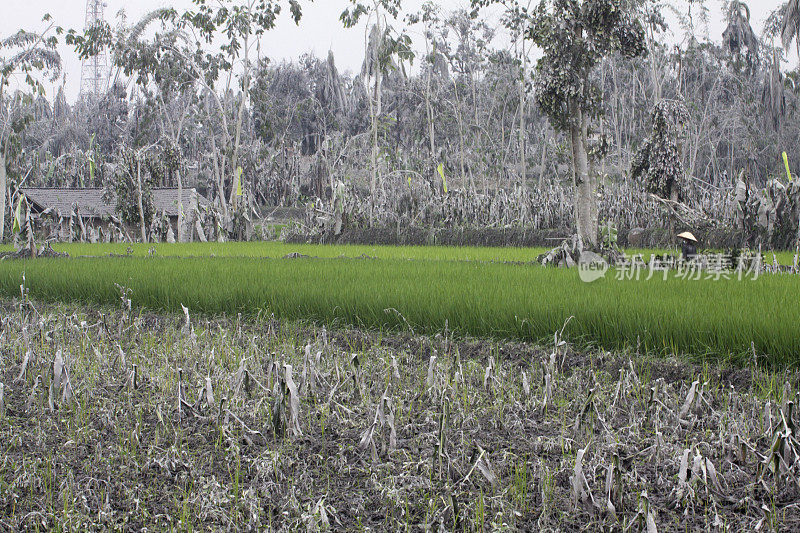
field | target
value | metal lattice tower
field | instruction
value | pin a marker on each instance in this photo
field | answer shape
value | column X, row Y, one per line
column 94, row 72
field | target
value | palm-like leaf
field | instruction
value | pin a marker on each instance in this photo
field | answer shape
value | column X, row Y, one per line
column 790, row 29
column 739, row 35
column 140, row 27
column 772, row 94
column 332, row 89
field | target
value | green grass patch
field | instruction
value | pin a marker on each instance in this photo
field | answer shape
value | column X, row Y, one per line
column 703, row 318
column 279, row 249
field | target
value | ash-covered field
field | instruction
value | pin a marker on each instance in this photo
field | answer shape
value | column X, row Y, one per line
column 119, row 419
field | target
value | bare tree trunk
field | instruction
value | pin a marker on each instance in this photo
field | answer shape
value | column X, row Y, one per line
column 175, row 130
column 375, row 118
column 617, row 117
column 3, row 186
column 239, row 121
column 219, row 171
column 460, row 119
column 585, row 183
column 139, row 198
column 522, row 122
column 461, row 152
column 544, row 159
column 374, row 111
column 479, row 132
column 180, row 207
column 429, row 112
column 375, row 103
column 673, row 195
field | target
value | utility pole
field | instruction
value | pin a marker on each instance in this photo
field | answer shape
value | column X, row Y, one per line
column 94, row 73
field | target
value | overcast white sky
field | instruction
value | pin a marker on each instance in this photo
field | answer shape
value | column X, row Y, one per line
column 319, row 30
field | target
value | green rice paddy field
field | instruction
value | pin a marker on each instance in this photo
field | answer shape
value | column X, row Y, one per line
column 473, row 291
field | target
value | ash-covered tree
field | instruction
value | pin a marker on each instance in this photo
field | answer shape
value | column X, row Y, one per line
column 161, row 69
column 239, row 26
column 385, row 51
column 136, row 173
column 24, row 57
column 658, row 160
column 739, row 35
column 574, row 36
column 225, row 35
column 773, row 90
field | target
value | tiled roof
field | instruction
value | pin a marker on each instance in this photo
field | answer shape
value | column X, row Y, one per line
column 166, row 200
column 90, row 202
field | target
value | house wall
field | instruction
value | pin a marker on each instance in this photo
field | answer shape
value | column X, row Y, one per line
column 55, row 228
column 51, row 228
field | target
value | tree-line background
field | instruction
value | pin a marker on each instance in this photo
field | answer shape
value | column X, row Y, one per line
column 449, row 134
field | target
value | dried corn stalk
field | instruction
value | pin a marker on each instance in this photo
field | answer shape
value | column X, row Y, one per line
column 431, row 372
column 32, row 396
column 480, row 461
column 286, row 405
column 580, row 485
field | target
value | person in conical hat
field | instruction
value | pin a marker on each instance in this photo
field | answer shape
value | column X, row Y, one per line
column 688, row 245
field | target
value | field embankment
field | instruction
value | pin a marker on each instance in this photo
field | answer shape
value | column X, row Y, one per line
column 725, row 319
column 716, row 238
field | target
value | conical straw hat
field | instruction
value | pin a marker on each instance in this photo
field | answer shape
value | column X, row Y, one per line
column 688, row 236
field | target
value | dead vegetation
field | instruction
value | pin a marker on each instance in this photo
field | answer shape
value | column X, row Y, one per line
column 117, row 420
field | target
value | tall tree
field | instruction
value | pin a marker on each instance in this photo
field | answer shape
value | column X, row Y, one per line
column 658, row 160
column 231, row 31
column 739, row 35
column 574, row 36
column 773, row 93
column 23, row 56
column 434, row 70
column 161, row 70
column 383, row 46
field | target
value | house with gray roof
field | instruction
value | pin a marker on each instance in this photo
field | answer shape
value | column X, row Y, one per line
column 95, row 210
